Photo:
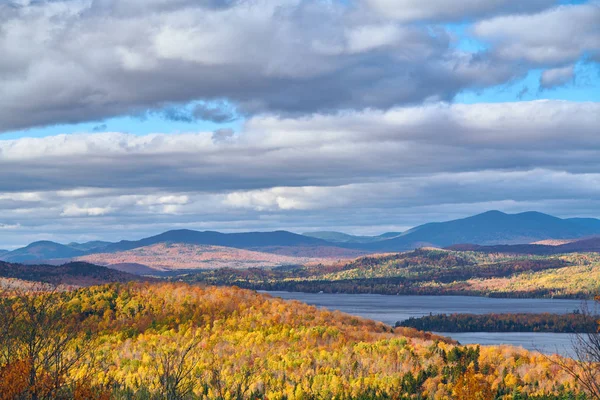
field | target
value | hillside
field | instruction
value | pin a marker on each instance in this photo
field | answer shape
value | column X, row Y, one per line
column 177, row 341
column 490, row 228
column 173, row 257
column 75, row 274
column 430, row 272
column 544, row 247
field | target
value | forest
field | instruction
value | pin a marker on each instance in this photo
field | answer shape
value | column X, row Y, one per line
column 575, row 322
column 428, row 272
column 176, row 341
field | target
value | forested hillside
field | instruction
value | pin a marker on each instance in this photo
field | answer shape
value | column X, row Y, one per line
column 174, row 341
column 74, row 273
column 431, row 272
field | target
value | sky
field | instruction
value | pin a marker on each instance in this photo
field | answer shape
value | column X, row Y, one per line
column 120, row 119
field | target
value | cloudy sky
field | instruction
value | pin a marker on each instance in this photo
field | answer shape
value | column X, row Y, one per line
column 125, row 118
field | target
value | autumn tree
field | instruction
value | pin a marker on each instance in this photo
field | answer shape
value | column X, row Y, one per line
column 41, row 341
column 586, row 367
column 175, row 361
column 472, row 386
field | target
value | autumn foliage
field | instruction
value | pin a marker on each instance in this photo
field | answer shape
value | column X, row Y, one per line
column 175, row 341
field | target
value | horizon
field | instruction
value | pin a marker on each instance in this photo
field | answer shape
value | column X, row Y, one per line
column 281, row 230
column 121, row 119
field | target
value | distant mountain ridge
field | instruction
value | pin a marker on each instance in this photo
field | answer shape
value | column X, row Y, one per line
column 42, row 250
column 246, row 240
column 577, row 246
column 491, row 228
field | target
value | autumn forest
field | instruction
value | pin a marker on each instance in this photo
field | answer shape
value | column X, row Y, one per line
column 175, row 341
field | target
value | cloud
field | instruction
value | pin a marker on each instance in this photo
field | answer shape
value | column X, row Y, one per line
column 323, row 149
column 69, row 61
column 73, row 210
column 451, row 10
column 218, row 113
column 99, row 128
column 554, row 37
column 552, row 78
column 223, row 134
column 524, row 90
column 392, row 169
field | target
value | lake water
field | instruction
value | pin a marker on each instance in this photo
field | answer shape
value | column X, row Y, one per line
column 390, row 309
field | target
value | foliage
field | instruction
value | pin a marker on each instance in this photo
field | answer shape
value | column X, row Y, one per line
column 174, row 341
column 429, row 272
column 575, row 322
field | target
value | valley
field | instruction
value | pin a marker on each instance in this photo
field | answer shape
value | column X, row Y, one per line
column 170, row 313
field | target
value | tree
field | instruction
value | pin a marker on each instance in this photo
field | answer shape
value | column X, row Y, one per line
column 175, row 362
column 41, row 343
column 472, row 386
column 586, row 367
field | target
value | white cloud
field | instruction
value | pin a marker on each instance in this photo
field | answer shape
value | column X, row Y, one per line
column 74, row 210
column 553, row 37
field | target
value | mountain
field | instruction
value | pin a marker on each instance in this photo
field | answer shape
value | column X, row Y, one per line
column 389, row 235
column 4, row 252
column 88, row 246
column 586, row 223
column 247, row 240
column 339, row 237
column 38, row 251
column 490, row 228
column 577, row 246
column 75, row 273
column 163, row 257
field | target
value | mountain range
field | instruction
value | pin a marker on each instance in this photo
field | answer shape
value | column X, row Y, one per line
column 491, row 228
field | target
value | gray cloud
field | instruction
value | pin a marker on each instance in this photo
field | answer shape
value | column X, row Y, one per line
column 451, row 10
column 554, row 37
column 557, row 77
column 99, row 128
column 218, row 113
column 89, row 60
column 392, row 169
column 318, row 150
column 223, row 134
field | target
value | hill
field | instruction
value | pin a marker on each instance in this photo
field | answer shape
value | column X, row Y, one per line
column 429, row 272
column 175, row 257
column 174, row 341
column 247, row 240
column 39, row 251
column 74, row 273
column 547, row 247
column 490, row 228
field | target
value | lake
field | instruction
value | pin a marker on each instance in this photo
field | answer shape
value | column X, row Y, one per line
column 390, row 309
